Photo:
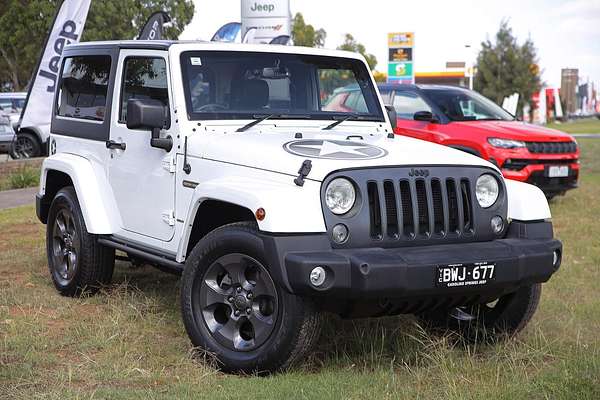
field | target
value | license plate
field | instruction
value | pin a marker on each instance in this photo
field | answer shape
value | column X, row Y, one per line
column 460, row 275
column 558, row 171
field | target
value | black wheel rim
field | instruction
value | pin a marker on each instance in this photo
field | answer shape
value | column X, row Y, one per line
column 237, row 301
column 66, row 247
column 23, row 147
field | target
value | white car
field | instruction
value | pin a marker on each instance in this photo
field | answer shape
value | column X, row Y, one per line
column 219, row 162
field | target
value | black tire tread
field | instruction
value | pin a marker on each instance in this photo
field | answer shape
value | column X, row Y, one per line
column 96, row 264
column 304, row 337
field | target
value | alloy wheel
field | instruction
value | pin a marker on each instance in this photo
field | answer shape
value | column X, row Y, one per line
column 66, row 247
column 237, row 301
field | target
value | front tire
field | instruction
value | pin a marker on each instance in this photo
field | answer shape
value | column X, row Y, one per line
column 233, row 309
column 505, row 317
column 77, row 262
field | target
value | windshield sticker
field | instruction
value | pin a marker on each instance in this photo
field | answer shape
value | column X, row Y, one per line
column 334, row 149
column 196, row 60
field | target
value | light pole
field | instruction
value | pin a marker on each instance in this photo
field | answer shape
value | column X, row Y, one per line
column 469, row 65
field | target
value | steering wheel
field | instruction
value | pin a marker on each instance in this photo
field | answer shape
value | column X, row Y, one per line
column 211, row 107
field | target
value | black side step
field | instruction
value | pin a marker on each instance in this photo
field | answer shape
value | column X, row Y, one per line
column 161, row 261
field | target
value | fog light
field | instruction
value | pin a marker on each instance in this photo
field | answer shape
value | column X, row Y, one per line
column 317, row 276
column 497, row 224
column 339, row 233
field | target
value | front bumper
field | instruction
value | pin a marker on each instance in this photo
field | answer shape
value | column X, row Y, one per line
column 524, row 257
column 535, row 173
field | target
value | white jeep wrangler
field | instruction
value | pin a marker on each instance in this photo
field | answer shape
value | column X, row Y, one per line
column 278, row 194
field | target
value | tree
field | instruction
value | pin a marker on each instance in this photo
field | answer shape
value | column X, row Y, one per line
column 505, row 67
column 306, row 35
column 21, row 43
column 350, row 44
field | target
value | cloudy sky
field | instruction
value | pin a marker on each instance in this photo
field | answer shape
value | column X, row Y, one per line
column 566, row 32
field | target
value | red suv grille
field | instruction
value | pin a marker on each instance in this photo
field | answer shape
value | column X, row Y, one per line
column 551, row 147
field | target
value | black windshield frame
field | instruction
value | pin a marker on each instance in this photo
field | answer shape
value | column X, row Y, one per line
column 358, row 68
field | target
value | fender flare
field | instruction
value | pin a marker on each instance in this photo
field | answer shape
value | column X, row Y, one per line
column 94, row 193
column 526, row 202
column 289, row 208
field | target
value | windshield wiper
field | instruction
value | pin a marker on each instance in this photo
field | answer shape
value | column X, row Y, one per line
column 261, row 118
column 257, row 121
column 339, row 121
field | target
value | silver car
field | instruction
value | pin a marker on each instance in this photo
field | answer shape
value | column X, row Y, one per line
column 7, row 134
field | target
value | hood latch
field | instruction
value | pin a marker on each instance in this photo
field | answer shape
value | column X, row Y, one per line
column 303, row 172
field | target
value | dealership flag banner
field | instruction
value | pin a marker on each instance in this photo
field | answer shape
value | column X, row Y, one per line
column 66, row 29
column 153, row 30
column 229, row 32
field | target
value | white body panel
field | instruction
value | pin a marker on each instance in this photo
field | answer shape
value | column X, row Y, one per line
column 141, row 174
column 526, row 202
column 125, row 193
column 96, row 199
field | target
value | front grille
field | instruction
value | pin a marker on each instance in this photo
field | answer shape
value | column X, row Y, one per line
column 551, row 147
column 406, row 206
column 409, row 208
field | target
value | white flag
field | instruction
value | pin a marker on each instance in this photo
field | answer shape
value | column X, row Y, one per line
column 67, row 28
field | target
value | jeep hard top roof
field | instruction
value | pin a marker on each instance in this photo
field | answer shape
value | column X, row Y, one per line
column 204, row 45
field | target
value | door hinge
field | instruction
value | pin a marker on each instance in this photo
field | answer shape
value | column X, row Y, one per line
column 168, row 217
column 168, row 163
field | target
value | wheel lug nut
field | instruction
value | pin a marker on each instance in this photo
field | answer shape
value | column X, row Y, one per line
column 239, row 289
column 249, row 296
column 237, row 313
column 248, row 310
column 230, row 299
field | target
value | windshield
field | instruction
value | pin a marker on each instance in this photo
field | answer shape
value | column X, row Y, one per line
column 462, row 105
column 244, row 85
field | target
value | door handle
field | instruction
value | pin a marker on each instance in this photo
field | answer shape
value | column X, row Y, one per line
column 111, row 144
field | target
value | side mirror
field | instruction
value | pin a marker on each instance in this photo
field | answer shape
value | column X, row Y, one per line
column 149, row 114
column 392, row 115
column 426, row 116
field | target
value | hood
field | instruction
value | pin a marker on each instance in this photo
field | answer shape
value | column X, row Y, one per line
column 515, row 130
column 283, row 152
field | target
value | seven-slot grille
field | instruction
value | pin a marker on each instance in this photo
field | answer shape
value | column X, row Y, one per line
column 419, row 208
column 551, row 147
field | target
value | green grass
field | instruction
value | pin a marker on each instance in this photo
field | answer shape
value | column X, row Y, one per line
column 129, row 342
column 587, row 125
column 24, row 177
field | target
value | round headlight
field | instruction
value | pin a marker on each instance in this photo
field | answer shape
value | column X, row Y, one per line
column 340, row 196
column 486, row 190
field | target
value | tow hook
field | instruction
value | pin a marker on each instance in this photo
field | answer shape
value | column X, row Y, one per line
column 303, row 172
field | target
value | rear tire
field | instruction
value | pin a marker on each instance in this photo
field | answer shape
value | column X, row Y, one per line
column 504, row 318
column 78, row 263
column 26, row 145
column 232, row 308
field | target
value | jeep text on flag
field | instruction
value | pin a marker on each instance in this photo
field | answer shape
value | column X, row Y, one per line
column 67, row 28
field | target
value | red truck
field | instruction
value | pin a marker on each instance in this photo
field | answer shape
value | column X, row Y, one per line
column 463, row 119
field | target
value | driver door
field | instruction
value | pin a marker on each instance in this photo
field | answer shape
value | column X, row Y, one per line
column 142, row 177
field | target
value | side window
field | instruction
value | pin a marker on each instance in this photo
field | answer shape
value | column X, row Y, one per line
column 83, row 88
column 143, row 78
column 408, row 103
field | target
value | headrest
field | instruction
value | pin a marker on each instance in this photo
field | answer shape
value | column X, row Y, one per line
column 254, row 93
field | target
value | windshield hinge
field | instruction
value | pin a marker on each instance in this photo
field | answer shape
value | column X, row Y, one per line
column 303, row 172
column 168, row 163
column 168, row 217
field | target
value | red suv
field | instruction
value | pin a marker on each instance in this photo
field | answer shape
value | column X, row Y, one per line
column 467, row 121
